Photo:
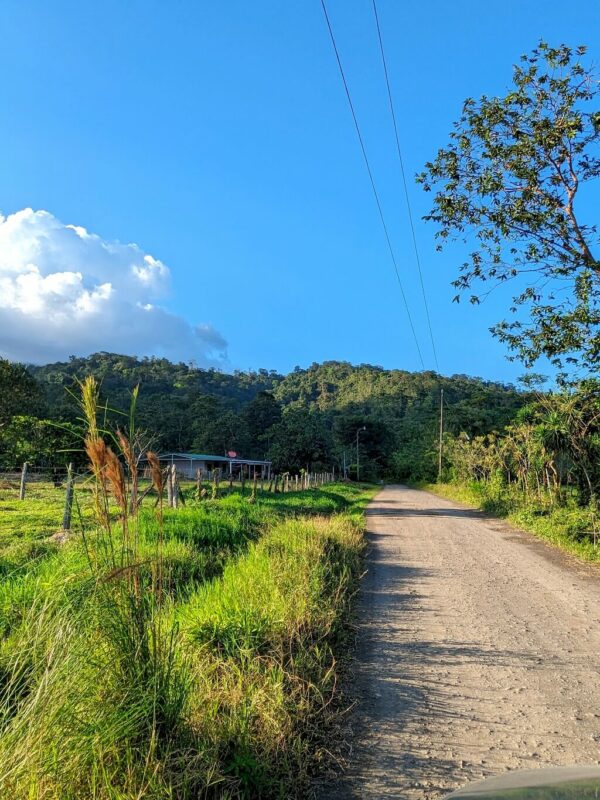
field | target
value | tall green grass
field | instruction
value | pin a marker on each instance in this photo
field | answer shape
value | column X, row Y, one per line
column 183, row 655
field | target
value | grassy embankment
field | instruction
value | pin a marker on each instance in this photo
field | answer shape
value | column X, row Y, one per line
column 184, row 655
column 569, row 526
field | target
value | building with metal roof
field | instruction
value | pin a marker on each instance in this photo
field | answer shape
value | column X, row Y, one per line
column 188, row 464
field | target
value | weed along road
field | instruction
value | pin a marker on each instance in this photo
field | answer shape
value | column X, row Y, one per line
column 478, row 652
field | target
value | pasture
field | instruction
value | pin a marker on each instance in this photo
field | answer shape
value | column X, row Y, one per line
column 178, row 653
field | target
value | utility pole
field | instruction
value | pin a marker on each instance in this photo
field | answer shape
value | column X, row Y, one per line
column 441, row 434
column 364, row 428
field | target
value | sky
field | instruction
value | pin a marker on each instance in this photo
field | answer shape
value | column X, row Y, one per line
column 184, row 178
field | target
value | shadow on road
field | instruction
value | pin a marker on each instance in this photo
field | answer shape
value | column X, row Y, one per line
column 459, row 513
column 393, row 682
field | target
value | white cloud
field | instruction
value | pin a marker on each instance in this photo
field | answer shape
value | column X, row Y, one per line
column 65, row 291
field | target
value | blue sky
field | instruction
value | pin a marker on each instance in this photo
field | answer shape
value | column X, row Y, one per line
column 216, row 137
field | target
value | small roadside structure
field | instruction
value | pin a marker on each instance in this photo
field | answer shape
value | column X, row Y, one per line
column 188, row 464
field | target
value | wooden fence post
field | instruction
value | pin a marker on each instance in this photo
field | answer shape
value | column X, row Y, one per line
column 175, row 486
column 170, row 486
column 23, row 481
column 66, row 523
column 216, row 482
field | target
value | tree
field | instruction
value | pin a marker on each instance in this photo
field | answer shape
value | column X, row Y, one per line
column 375, row 444
column 260, row 415
column 19, row 391
column 39, row 441
column 510, row 180
column 300, row 440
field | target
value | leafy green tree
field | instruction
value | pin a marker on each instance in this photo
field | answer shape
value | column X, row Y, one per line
column 508, row 184
column 19, row 392
column 226, row 432
column 189, row 409
column 259, row 416
column 40, row 442
column 376, row 444
column 301, row 440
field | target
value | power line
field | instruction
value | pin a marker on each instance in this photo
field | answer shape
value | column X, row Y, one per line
column 375, row 193
column 406, row 195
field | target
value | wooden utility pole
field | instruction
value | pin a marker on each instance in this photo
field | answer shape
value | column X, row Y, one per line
column 441, row 434
column 364, row 428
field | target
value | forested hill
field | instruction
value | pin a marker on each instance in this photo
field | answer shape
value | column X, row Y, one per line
column 308, row 417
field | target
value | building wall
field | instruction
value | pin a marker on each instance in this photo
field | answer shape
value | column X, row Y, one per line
column 187, row 468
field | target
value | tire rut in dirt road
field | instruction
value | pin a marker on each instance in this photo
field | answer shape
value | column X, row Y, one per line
column 478, row 651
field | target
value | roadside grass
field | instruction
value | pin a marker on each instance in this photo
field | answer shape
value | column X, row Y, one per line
column 568, row 527
column 39, row 515
column 217, row 685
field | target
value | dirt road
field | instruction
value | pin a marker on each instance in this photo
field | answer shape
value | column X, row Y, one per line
column 478, row 652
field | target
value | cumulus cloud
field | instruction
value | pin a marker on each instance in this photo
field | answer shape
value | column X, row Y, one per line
column 65, row 291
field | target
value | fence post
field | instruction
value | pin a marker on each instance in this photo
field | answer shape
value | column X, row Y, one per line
column 175, row 486
column 216, row 481
column 23, row 481
column 66, row 523
column 170, row 486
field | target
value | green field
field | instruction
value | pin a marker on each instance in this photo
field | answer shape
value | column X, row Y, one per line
column 203, row 665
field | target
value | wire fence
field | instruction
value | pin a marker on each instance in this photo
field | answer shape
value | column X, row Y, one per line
column 55, row 489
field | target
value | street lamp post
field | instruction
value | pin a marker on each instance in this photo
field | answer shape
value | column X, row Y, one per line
column 364, row 428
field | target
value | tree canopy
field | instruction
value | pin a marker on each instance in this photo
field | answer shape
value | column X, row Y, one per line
column 509, row 185
column 307, row 418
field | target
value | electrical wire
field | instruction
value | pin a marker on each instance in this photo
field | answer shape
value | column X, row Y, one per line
column 406, row 195
column 372, row 180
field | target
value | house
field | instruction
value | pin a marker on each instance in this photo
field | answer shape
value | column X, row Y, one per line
column 188, row 464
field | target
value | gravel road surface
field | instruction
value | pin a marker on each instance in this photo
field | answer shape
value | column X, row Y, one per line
column 478, row 652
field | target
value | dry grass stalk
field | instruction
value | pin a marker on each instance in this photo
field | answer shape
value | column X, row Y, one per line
column 128, row 451
column 156, row 473
column 96, row 452
column 115, row 476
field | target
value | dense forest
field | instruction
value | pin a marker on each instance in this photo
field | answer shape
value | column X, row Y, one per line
column 309, row 417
